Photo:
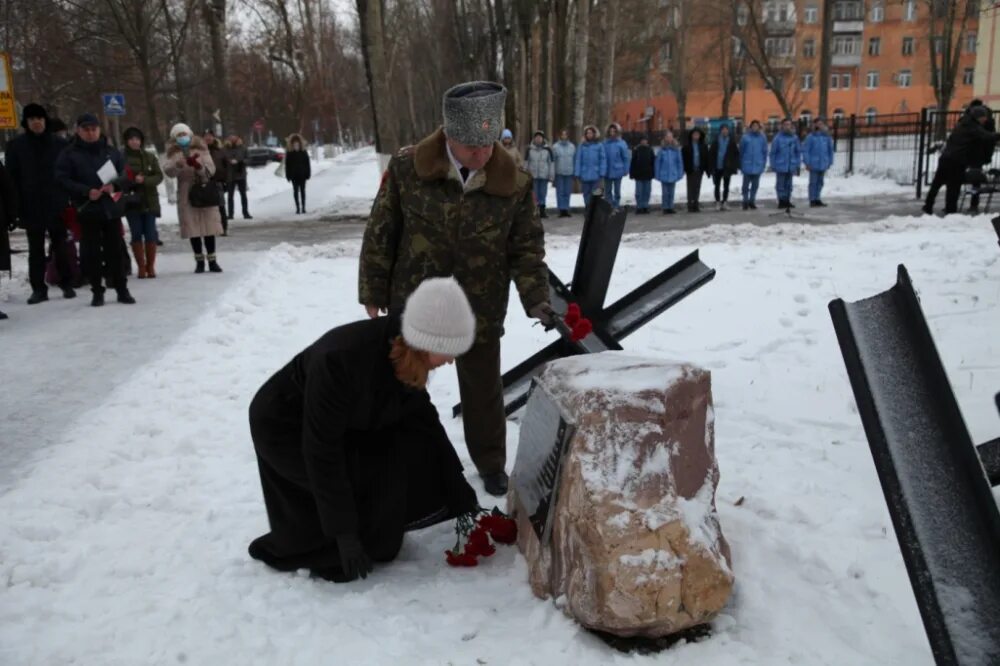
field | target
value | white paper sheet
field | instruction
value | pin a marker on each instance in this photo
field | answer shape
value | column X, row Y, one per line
column 107, row 172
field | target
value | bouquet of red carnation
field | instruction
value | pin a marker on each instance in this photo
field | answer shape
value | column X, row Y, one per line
column 480, row 529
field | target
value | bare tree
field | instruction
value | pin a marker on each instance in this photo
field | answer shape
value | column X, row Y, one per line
column 376, row 68
column 582, row 38
column 947, row 29
column 214, row 12
column 609, row 22
column 773, row 57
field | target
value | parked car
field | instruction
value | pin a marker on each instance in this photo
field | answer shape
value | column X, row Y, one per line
column 261, row 155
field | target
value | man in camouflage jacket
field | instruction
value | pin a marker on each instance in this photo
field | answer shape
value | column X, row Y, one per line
column 456, row 204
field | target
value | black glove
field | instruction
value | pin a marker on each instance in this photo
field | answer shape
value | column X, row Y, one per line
column 353, row 558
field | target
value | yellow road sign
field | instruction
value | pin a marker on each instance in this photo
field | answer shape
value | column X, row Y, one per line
column 8, row 114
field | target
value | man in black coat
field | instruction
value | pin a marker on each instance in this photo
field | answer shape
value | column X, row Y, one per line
column 350, row 449
column 641, row 171
column 31, row 159
column 298, row 170
column 696, row 165
column 8, row 206
column 963, row 149
column 78, row 172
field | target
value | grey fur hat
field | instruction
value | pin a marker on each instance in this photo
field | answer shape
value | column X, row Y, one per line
column 473, row 112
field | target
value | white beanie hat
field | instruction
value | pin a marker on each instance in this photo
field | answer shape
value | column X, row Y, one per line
column 180, row 128
column 438, row 318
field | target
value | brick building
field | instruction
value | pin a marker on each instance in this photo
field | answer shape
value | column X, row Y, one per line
column 880, row 63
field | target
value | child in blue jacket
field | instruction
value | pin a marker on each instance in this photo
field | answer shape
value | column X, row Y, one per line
column 669, row 170
column 817, row 156
column 786, row 158
column 753, row 162
column 591, row 164
column 618, row 158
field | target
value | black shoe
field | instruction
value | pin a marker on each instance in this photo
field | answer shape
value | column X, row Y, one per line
column 496, row 483
column 746, row 206
column 752, row 205
column 3, row 315
column 98, row 299
column 247, row 216
column 814, row 204
column 820, row 204
column 298, row 210
column 928, row 210
column 159, row 243
column 199, row 263
column 125, row 297
column 38, row 297
column 213, row 265
column 670, row 211
column 542, row 213
column 790, row 204
column 68, row 292
column 782, row 204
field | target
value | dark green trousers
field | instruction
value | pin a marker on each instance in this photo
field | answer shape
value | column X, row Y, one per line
column 483, row 418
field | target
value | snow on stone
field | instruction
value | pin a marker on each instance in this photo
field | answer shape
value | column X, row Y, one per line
column 652, row 559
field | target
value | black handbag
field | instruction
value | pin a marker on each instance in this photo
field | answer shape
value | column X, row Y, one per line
column 204, row 194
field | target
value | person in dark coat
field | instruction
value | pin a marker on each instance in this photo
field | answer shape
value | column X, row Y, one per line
column 723, row 161
column 217, row 151
column 641, row 170
column 236, row 175
column 298, row 170
column 31, row 159
column 350, row 449
column 963, row 149
column 696, row 165
column 100, row 219
column 8, row 210
column 988, row 147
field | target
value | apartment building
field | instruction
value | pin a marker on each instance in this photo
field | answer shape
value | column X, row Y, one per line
column 880, row 64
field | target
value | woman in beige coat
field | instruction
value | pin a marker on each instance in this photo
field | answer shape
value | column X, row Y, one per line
column 188, row 160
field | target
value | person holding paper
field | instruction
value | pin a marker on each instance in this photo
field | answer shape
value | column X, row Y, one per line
column 89, row 170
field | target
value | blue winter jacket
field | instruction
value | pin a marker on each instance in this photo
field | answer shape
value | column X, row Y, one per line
column 618, row 156
column 565, row 154
column 817, row 151
column 786, row 153
column 753, row 153
column 669, row 167
column 591, row 162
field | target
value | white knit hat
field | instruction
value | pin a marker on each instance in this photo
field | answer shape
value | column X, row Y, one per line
column 438, row 318
column 178, row 129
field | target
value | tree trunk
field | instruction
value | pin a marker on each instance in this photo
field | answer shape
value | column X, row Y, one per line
column 373, row 48
column 562, row 74
column 504, row 28
column 149, row 89
column 610, row 16
column 678, row 75
column 215, row 17
column 545, row 95
column 582, row 38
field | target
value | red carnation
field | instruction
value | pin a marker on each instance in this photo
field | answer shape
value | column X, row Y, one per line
column 500, row 527
column 461, row 559
column 479, row 543
column 581, row 330
column 573, row 314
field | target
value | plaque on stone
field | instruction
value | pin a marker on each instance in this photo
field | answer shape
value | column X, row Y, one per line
column 545, row 430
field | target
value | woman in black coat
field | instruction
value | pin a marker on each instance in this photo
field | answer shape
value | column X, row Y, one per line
column 297, row 170
column 350, row 448
column 723, row 169
column 695, row 156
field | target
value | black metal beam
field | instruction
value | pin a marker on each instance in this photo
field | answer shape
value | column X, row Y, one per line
column 996, row 227
column 989, row 454
column 945, row 517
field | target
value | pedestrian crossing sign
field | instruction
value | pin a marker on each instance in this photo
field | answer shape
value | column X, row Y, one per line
column 114, row 104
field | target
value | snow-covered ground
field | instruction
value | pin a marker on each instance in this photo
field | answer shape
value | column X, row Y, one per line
column 124, row 539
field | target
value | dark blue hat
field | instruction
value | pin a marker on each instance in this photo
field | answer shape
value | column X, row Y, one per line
column 85, row 119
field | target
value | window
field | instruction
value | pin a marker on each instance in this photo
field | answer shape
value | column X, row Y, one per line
column 878, row 12
column 907, row 45
column 904, row 78
column 875, row 46
column 838, row 115
column 846, row 45
column 779, row 46
column 806, row 117
column 674, row 16
column 811, row 14
column 848, row 10
column 807, row 81
column 742, row 15
column 910, row 10
column 970, row 42
column 835, row 82
column 938, row 43
column 871, row 114
column 871, row 82
column 809, row 48
column 968, row 76
column 845, row 81
column 780, row 11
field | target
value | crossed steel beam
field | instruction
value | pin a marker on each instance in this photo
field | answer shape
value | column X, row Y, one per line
column 602, row 233
column 937, row 484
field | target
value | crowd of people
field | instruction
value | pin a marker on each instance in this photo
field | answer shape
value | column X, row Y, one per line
column 601, row 165
column 966, row 153
column 66, row 189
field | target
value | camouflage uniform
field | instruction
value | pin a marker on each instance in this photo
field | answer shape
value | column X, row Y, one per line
column 424, row 224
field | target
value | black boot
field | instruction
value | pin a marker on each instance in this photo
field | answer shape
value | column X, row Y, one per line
column 97, row 300
column 752, row 205
column 820, row 204
column 68, row 292
column 541, row 211
column 213, row 265
column 125, row 297
column 496, row 483
column 3, row 315
column 199, row 263
column 38, row 297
